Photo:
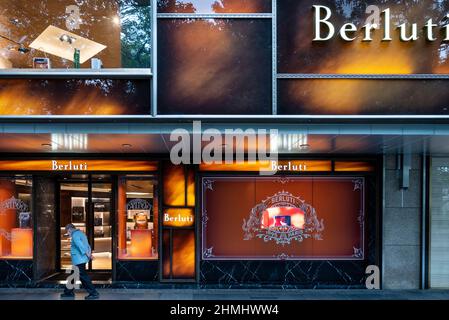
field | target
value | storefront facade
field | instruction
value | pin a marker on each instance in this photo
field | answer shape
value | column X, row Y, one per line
column 153, row 222
column 360, row 121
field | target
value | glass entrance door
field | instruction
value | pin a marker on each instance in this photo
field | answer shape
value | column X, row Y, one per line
column 102, row 226
column 88, row 206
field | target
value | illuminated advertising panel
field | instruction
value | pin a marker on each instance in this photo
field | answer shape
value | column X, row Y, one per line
column 304, row 218
column 65, row 97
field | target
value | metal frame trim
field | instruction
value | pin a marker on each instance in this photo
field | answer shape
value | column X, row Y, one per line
column 274, row 56
column 214, row 15
column 126, row 73
column 424, row 206
column 382, row 227
column 415, row 76
column 154, row 52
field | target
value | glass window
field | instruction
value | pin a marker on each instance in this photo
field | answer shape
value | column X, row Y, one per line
column 46, row 34
column 214, row 6
column 16, row 226
column 363, row 97
column 214, row 66
column 74, row 97
column 439, row 223
column 137, row 218
column 298, row 53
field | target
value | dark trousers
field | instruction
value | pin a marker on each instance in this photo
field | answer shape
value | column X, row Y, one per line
column 85, row 281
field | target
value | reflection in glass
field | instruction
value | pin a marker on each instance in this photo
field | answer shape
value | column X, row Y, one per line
column 74, row 97
column 297, row 53
column 122, row 26
column 73, row 208
column 363, row 97
column 102, row 226
column 214, row 6
column 214, row 66
column 16, row 227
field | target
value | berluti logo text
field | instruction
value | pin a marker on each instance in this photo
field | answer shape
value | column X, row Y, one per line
column 325, row 29
column 288, row 166
column 68, row 166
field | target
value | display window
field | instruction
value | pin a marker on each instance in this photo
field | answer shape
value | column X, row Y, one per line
column 137, row 218
column 16, row 226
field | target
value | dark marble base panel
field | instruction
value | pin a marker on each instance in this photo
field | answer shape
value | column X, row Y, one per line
column 137, row 271
column 16, row 272
column 291, row 274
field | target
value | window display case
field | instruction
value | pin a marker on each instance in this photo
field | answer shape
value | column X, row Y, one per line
column 137, row 218
column 16, row 233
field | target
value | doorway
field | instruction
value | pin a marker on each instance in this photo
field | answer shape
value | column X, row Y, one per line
column 87, row 202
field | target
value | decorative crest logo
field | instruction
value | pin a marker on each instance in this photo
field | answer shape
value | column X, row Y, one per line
column 13, row 203
column 138, row 204
column 283, row 218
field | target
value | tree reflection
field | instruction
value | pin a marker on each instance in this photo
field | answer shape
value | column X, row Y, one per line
column 124, row 26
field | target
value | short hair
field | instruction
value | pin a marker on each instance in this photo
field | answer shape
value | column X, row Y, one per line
column 70, row 226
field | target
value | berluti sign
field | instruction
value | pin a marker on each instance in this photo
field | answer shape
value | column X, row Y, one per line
column 77, row 165
column 272, row 166
column 179, row 217
column 377, row 19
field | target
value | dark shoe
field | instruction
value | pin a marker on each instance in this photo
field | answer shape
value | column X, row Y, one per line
column 67, row 295
column 92, row 296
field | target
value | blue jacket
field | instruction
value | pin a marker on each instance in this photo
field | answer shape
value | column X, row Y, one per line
column 80, row 249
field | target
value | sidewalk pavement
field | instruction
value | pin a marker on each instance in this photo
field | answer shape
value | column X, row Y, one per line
column 230, row 294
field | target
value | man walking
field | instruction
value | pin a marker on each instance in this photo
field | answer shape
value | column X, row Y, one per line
column 81, row 254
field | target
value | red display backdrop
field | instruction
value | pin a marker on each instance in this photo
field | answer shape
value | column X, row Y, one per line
column 261, row 218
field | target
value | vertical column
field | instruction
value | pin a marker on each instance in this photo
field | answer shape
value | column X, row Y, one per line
column 178, row 225
column 45, row 226
column 401, row 225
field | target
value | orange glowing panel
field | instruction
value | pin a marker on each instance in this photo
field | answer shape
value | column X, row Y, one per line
column 22, row 243
column 354, row 166
column 191, row 188
column 77, row 165
column 74, row 97
column 179, row 217
column 279, row 166
column 7, row 217
column 183, row 254
column 166, row 265
column 200, row 64
column 283, row 216
column 140, row 243
column 363, row 97
column 174, row 185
